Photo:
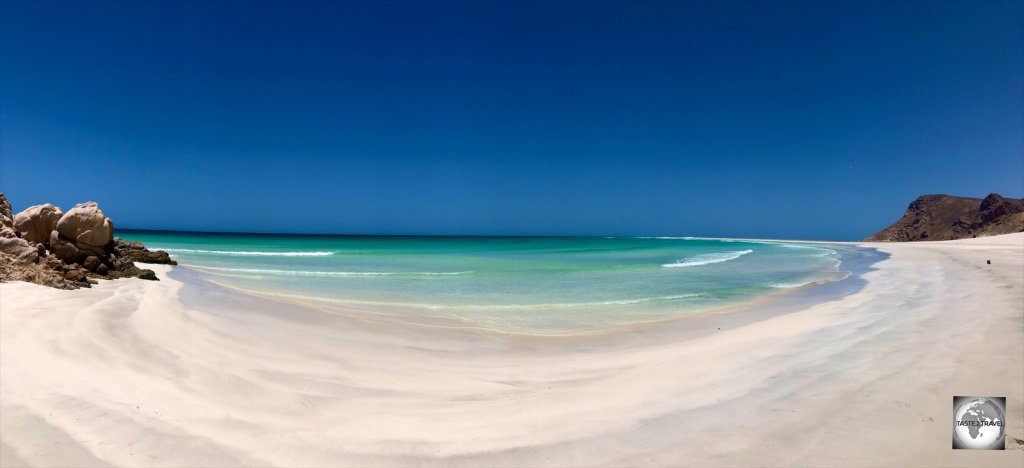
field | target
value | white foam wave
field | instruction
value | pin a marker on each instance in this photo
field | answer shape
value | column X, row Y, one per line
column 810, row 247
column 682, row 238
column 262, row 271
column 835, row 275
column 249, row 253
column 791, row 285
column 706, row 259
column 719, row 239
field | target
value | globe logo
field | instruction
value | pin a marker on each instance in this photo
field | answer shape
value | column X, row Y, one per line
column 978, row 423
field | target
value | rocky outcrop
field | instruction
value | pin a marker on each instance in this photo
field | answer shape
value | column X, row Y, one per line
column 12, row 270
column 19, row 249
column 37, row 222
column 945, row 217
column 137, row 252
column 68, row 250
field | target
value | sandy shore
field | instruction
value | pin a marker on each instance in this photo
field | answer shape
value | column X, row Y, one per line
column 173, row 373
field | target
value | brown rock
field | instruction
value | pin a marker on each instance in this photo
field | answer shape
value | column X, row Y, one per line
column 65, row 249
column 79, row 242
column 54, row 263
column 6, row 218
column 995, row 206
column 5, row 206
column 123, row 263
column 91, row 263
column 19, row 249
column 77, row 275
column 998, row 215
column 154, row 256
column 35, row 223
column 87, row 226
column 12, row 270
column 944, row 217
column 137, row 252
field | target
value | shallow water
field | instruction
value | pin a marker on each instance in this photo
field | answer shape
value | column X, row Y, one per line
column 525, row 284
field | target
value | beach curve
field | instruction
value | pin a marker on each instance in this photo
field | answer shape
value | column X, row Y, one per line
column 128, row 373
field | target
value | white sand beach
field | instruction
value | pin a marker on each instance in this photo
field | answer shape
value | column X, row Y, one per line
column 170, row 373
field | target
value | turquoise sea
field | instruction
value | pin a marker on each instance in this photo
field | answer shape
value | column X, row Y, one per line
column 522, row 284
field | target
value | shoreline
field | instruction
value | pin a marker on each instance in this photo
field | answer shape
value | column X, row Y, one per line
column 424, row 315
column 106, row 374
column 778, row 301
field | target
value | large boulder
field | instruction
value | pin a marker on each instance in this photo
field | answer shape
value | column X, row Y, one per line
column 20, row 249
column 37, row 222
column 87, row 226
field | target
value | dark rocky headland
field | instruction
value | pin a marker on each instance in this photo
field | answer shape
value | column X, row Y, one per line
column 945, row 217
column 47, row 246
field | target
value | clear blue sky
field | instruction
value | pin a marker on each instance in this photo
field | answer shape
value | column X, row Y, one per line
column 796, row 120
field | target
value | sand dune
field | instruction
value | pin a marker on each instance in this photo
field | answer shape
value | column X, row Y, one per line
column 178, row 373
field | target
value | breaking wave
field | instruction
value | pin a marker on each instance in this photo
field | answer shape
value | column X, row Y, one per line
column 707, row 259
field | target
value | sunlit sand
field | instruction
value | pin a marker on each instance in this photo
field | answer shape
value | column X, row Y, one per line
column 181, row 373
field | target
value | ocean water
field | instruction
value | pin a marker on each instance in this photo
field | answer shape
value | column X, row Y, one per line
column 540, row 285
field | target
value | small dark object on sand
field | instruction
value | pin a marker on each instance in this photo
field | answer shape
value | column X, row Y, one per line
column 988, row 262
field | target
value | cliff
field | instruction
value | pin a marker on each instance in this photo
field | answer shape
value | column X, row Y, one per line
column 945, row 217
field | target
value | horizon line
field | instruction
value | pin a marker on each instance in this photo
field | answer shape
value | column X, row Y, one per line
column 482, row 236
column 253, row 233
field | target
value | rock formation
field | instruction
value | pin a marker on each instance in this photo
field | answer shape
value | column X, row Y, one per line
column 6, row 218
column 20, row 249
column 87, row 227
column 36, row 222
column 944, row 217
column 137, row 252
column 69, row 250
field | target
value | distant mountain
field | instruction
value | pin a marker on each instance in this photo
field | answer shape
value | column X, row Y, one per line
column 945, row 217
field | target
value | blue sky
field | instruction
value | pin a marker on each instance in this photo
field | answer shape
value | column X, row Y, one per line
column 805, row 120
